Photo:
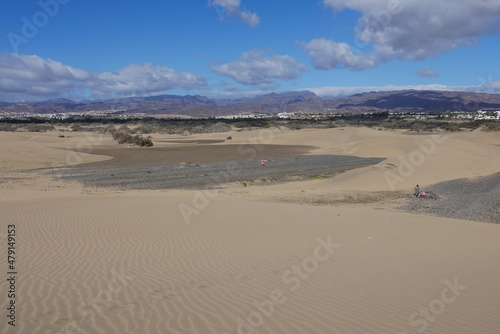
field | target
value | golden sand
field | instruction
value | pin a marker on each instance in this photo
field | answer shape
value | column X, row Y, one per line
column 312, row 256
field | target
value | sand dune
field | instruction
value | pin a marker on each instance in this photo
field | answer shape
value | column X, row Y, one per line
column 130, row 264
column 411, row 159
column 240, row 259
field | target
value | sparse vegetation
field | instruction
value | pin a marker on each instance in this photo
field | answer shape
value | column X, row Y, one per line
column 314, row 177
column 125, row 129
column 7, row 127
column 76, row 127
column 451, row 127
column 246, row 183
column 492, row 126
column 265, row 180
column 122, row 137
column 126, row 138
column 39, row 127
column 134, row 126
column 142, row 141
column 358, row 198
column 388, row 125
column 321, row 176
column 295, row 126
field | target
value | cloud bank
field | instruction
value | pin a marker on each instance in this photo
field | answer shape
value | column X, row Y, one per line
column 335, row 91
column 24, row 76
column 30, row 77
column 404, row 30
column 144, row 79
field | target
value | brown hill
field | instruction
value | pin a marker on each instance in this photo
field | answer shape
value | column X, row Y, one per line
column 414, row 101
column 296, row 101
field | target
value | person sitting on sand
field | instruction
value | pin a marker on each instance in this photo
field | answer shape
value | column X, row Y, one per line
column 416, row 191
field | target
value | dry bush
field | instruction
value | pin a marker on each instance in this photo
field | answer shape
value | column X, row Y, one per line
column 142, row 141
column 451, row 127
column 125, row 129
column 39, row 127
column 490, row 127
column 8, row 127
column 122, row 137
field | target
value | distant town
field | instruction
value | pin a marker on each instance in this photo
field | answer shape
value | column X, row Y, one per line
column 298, row 105
column 118, row 114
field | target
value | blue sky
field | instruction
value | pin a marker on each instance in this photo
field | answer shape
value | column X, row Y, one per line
column 229, row 48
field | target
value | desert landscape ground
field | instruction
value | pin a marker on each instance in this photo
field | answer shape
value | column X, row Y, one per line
column 315, row 248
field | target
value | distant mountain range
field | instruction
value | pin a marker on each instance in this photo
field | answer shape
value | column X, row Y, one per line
column 305, row 101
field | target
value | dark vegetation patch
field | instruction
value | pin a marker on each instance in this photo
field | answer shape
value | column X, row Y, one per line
column 183, row 126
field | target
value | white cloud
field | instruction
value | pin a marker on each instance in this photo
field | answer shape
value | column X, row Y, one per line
column 29, row 77
column 256, row 68
column 426, row 73
column 144, row 79
column 234, row 8
column 328, row 55
column 410, row 29
column 23, row 76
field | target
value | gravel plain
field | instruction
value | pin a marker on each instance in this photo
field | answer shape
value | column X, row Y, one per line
column 476, row 199
column 470, row 199
column 209, row 174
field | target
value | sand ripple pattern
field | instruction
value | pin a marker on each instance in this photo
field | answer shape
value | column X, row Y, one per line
column 103, row 264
